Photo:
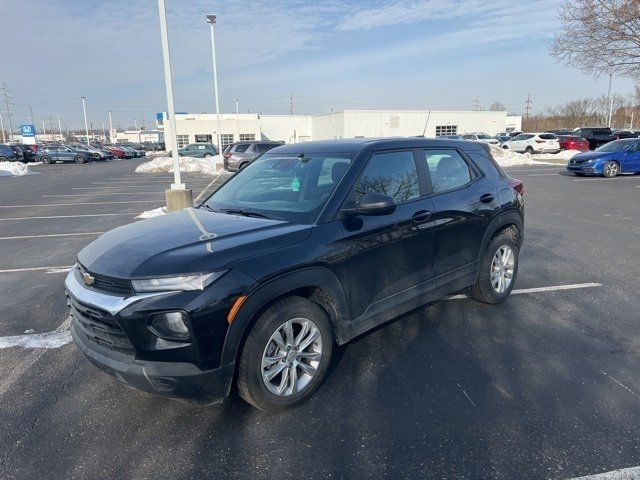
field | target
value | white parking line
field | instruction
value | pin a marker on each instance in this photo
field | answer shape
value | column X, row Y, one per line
column 37, row 269
column 558, row 169
column 76, row 203
column 204, row 190
column 103, row 188
column 553, row 288
column 52, row 235
column 543, row 174
column 631, row 473
column 605, row 180
column 101, row 194
column 69, row 216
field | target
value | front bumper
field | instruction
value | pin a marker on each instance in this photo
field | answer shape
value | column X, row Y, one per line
column 97, row 332
column 585, row 168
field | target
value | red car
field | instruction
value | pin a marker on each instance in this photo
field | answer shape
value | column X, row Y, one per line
column 573, row 142
column 116, row 152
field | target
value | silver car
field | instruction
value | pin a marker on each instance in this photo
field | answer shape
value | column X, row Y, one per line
column 240, row 154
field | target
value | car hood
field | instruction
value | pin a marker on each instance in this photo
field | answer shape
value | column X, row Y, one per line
column 188, row 241
column 593, row 155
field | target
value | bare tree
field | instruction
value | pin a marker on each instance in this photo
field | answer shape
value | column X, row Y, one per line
column 600, row 36
column 497, row 107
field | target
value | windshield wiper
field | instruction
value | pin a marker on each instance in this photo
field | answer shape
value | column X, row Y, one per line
column 245, row 213
column 207, row 207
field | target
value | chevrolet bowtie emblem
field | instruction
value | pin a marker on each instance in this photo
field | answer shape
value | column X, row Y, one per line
column 88, row 279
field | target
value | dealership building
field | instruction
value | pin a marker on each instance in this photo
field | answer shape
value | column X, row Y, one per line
column 202, row 127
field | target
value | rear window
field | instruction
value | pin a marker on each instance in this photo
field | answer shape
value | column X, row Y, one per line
column 601, row 131
column 242, row 147
column 548, row 136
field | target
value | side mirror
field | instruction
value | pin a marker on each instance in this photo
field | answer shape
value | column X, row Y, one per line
column 373, row 203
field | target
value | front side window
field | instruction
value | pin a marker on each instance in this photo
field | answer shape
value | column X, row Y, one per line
column 393, row 174
column 447, row 170
column 293, row 188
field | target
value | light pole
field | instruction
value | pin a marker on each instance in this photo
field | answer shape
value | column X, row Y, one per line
column 178, row 197
column 104, row 133
column 44, row 130
column 238, row 119
column 84, row 111
column 60, row 128
column 4, row 138
column 610, row 100
column 211, row 19
column 110, row 128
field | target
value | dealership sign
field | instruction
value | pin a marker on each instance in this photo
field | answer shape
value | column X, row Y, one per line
column 27, row 130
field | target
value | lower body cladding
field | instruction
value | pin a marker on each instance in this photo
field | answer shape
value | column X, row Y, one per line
column 115, row 333
column 585, row 169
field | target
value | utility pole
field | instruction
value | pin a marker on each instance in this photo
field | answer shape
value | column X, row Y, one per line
column 33, row 122
column 476, row 103
column 84, row 111
column 4, row 138
column 60, row 128
column 238, row 119
column 610, row 100
column 104, row 133
column 50, row 125
column 631, row 126
column 291, row 104
column 110, row 128
column 44, row 129
column 527, row 106
column 5, row 93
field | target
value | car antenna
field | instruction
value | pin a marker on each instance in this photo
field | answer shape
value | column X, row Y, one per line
column 424, row 131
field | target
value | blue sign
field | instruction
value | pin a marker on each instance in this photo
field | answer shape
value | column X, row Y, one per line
column 27, row 130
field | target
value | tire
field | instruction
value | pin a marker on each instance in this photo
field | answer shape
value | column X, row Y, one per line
column 484, row 289
column 79, row 159
column 263, row 393
column 46, row 159
column 611, row 169
column 207, row 155
column 578, row 174
column 243, row 166
column 505, row 147
column 4, row 159
column 529, row 150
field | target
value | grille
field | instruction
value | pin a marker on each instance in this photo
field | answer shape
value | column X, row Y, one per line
column 108, row 284
column 99, row 327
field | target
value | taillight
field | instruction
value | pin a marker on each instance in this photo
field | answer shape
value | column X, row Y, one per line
column 226, row 155
column 539, row 141
column 517, row 185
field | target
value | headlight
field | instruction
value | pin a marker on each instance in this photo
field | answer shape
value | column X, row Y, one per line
column 183, row 282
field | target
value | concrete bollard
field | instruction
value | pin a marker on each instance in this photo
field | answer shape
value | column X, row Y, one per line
column 178, row 199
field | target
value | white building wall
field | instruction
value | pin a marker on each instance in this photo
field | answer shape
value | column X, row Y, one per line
column 286, row 128
column 329, row 126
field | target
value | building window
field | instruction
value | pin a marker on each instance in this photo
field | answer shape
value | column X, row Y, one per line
column 442, row 130
column 226, row 139
column 183, row 140
column 247, row 137
column 203, row 138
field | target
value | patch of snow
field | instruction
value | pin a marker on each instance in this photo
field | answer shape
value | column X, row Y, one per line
column 156, row 212
column 209, row 166
column 11, row 169
column 54, row 339
column 508, row 158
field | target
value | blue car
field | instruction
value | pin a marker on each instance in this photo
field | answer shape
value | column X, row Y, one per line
column 610, row 159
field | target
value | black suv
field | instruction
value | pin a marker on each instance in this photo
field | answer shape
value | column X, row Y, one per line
column 596, row 136
column 308, row 247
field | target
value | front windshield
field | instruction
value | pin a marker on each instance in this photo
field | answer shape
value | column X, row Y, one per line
column 616, row 145
column 291, row 187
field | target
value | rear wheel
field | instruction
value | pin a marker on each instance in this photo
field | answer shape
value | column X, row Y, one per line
column 610, row 169
column 498, row 270
column 207, row 155
column 4, row 159
column 46, row 159
column 243, row 165
column 529, row 150
column 79, row 159
column 286, row 355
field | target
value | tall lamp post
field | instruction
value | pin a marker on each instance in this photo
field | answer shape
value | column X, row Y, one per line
column 60, row 129
column 178, row 197
column 84, row 111
column 211, row 19
column 111, row 139
column 4, row 138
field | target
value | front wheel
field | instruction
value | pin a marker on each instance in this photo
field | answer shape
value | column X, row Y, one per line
column 46, row 159
column 286, row 355
column 610, row 169
column 529, row 150
column 498, row 270
column 79, row 159
column 4, row 159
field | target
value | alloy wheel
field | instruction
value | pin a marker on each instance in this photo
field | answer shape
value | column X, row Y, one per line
column 292, row 357
column 611, row 169
column 502, row 267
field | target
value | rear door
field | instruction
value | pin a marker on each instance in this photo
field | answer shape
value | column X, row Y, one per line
column 390, row 256
column 631, row 161
column 464, row 203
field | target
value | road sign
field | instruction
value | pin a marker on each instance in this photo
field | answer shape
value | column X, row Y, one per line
column 27, row 130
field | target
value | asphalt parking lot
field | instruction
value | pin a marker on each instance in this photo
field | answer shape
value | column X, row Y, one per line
column 546, row 385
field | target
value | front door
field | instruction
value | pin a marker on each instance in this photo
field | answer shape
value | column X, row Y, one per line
column 631, row 161
column 390, row 258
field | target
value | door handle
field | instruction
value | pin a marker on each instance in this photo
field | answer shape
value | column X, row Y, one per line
column 421, row 216
column 487, row 198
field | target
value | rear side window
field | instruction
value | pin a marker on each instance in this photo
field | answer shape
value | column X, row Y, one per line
column 547, row 136
column 393, row 174
column 263, row 147
column 242, row 147
column 447, row 170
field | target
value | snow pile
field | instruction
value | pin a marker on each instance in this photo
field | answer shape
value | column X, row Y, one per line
column 10, row 169
column 210, row 166
column 508, row 158
column 156, row 212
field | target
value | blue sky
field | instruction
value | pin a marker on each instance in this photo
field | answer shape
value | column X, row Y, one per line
column 335, row 54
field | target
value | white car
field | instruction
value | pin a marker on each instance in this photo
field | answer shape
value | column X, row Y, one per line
column 533, row 143
column 480, row 137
